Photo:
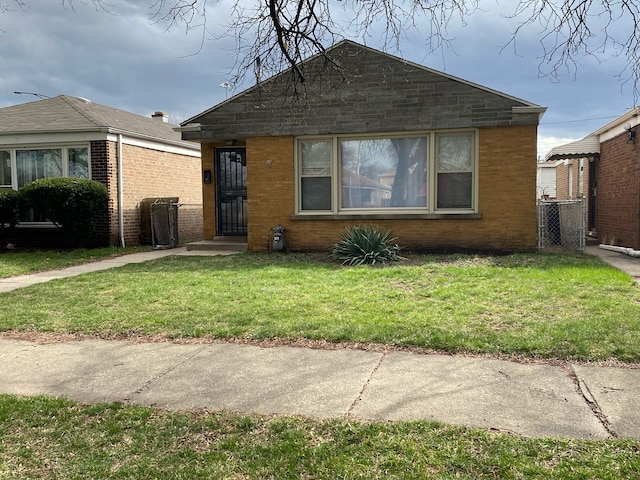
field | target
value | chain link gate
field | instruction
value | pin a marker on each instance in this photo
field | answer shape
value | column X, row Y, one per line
column 562, row 225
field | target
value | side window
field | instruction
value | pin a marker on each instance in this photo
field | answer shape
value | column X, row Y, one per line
column 315, row 175
column 78, row 159
column 5, row 168
column 454, row 171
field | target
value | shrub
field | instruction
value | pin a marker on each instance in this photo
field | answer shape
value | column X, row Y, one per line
column 9, row 211
column 366, row 245
column 72, row 204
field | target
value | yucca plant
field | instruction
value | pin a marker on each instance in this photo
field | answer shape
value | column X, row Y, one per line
column 362, row 244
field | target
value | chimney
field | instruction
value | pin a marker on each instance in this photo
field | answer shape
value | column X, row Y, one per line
column 161, row 116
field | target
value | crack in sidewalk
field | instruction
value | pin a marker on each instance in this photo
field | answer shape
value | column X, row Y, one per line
column 590, row 399
column 146, row 385
column 358, row 398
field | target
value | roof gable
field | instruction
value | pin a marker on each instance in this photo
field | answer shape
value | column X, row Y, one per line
column 63, row 114
column 371, row 91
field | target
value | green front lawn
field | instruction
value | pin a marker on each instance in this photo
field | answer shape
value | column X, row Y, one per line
column 553, row 306
column 58, row 439
column 550, row 306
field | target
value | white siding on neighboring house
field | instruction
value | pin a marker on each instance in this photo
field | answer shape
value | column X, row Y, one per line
column 546, row 180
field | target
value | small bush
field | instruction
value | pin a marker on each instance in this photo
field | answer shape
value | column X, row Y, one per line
column 9, row 211
column 73, row 204
column 360, row 245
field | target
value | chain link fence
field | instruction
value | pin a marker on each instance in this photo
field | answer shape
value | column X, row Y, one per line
column 562, row 225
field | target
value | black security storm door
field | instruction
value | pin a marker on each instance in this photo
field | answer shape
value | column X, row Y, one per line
column 231, row 191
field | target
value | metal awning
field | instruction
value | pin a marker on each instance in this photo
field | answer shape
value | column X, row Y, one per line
column 586, row 147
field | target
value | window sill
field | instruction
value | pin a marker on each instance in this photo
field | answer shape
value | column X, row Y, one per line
column 36, row 225
column 387, row 216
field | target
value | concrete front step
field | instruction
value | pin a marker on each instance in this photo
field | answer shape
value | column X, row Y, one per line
column 233, row 244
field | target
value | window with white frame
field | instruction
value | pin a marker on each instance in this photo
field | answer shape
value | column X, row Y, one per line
column 19, row 166
column 41, row 163
column 454, row 169
column 23, row 165
column 78, row 162
column 5, row 168
column 315, row 175
column 421, row 173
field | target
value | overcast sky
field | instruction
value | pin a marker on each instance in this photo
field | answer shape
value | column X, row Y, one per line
column 126, row 61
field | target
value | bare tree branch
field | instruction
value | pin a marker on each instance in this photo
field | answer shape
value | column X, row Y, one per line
column 98, row 4
column 274, row 35
column 570, row 30
column 4, row 7
column 284, row 33
column 190, row 14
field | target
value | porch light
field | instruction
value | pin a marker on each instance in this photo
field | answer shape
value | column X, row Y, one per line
column 631, row 136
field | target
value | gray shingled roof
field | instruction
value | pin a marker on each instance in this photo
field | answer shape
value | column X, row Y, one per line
column 71, row 114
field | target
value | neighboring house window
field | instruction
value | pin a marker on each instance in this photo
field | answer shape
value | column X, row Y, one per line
column 422, row 173
column 23, row 165
column 5, row 168
column 78, row 159
column 32, row 164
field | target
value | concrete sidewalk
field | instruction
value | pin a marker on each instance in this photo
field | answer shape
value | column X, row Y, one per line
column 577, row 401
column 532, row 399
column 630, row 265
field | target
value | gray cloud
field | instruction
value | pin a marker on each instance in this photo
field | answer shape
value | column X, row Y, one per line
column 126, row 61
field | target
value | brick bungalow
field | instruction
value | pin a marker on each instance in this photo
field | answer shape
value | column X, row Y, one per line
column 443, row 163
column 136, row 157
column 604, row 167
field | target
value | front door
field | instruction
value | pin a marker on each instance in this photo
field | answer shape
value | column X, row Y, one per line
column 231, row 191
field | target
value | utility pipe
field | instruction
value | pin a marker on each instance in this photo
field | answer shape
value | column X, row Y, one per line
column 120, row 192
column 627, row 251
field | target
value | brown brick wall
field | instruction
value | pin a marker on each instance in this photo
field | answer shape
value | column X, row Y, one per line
column 507, row 184
column 618, row 193
column 148, row 173
column 208, row 191
column 562, row 181
column 100, row 172
column 270, row 190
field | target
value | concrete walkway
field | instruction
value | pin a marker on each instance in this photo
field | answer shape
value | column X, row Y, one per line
column 630, row 265
column 8, row 284
column 531, row 399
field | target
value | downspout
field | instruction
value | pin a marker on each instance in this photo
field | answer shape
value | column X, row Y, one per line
column 627, row 251
column 120, row 193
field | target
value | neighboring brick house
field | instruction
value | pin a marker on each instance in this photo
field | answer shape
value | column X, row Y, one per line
column 604, row 167
column 69, row 136
column 443, row 163
column 546, row 180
